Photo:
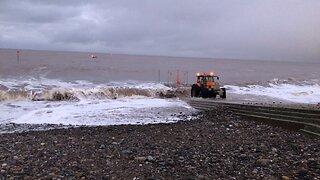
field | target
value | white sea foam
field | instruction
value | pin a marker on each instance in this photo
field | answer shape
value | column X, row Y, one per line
column 52, row 90
column 302, row 93
column 107, row 112
column 50, row 101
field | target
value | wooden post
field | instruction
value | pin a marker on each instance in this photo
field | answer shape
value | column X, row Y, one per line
column 18, row 56
column 159, row 76
column 187, row 78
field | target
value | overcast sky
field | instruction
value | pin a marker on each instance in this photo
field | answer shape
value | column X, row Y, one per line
column 242, row 29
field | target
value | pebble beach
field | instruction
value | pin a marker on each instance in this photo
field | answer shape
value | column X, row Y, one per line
column 214, row 145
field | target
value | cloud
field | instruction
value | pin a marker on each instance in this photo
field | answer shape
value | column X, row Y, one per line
column 252, row 29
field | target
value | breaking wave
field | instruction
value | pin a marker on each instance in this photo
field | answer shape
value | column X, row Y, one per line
column 76, row 91
column 13, row 94
column 288, row 90
column 41, row 100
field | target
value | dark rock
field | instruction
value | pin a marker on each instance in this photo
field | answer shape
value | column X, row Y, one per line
column 127, row 152
column 302, row 172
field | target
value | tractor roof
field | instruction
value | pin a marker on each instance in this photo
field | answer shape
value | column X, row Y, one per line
column 206, row 74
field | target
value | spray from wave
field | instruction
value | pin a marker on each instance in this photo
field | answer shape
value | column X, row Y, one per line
column 287, row 90
column 49, row 90
column 49, row 101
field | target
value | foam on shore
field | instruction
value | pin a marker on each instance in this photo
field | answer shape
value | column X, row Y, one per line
column 308, row 93
column 49, row 101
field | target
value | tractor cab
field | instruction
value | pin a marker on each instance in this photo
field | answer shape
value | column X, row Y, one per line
column 205, row 78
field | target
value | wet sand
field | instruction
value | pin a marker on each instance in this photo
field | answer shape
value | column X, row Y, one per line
column 216, row 145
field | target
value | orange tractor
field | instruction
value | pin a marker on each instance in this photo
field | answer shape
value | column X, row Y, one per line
column 207, row 86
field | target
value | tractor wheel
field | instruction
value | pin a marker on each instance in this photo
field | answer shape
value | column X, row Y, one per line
column 204, row 93
column 195, row 91
column 224, row 93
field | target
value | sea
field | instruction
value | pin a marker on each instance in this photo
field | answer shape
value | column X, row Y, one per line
column 50, row 89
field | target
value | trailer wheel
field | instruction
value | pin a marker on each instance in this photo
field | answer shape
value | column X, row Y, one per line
column 224, row 93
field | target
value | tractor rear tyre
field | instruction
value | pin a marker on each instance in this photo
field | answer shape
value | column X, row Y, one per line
column 204, row 93
column 224, row 93
column 195, row 91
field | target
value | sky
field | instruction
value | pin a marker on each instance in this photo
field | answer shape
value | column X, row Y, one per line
column 281, row 30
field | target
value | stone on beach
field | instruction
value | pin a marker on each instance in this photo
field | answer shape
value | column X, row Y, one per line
column 202, row 148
